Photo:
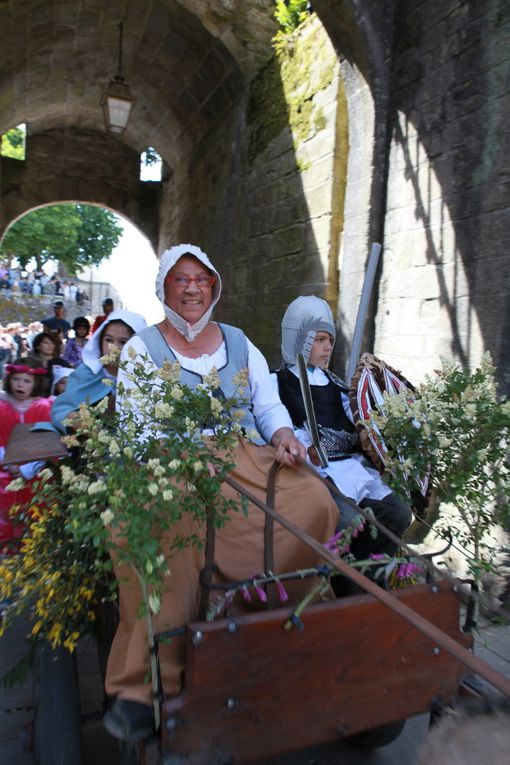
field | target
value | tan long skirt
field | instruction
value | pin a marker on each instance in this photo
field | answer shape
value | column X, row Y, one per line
column 239, row 553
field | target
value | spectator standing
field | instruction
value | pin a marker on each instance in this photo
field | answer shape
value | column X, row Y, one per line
column 7, row 349
column 57, row 321
column 33, row 329
column 46, row 350
column 14, row 329
column 107, row 309
column 74, row 346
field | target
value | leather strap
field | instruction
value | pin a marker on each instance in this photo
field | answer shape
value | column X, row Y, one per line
column 209, row 567
column 269, row 534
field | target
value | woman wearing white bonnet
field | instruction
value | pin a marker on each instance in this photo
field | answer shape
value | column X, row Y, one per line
column 86, row 381
column 308, row 328
column 189, row 287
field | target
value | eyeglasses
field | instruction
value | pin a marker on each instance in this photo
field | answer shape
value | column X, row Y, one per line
column 182, row 280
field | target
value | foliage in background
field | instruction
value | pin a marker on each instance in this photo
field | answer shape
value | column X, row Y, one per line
column 140, row 478
column 13, row 143
column 457, row 425
column 289, row 14
column 21, row 308
column 150, row 156
column 76, row 235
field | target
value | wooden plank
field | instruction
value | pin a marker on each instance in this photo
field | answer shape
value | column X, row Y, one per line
column 260, row 690
column 26, row 445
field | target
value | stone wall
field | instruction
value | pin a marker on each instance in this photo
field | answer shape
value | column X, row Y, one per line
column 68, row 164
column 264, row 194
column 445, row 282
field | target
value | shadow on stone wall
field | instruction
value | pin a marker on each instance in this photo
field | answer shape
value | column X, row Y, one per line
column 460, row 119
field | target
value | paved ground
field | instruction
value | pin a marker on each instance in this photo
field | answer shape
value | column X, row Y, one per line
column 493, row 644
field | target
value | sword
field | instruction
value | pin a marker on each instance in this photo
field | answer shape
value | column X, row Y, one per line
column 362, row 310
column 311, row 422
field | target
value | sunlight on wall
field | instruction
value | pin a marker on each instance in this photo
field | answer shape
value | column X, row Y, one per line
column 425, row 309
column 131, row 270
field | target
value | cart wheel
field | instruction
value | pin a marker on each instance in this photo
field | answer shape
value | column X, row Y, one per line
column 130, row 754
column 145, row 753
column 57, row 714
column 377, row 737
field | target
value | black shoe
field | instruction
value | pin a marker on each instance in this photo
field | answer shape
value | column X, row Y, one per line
column 129, row 721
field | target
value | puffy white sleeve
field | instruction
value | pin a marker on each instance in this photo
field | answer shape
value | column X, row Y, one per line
column 269, row 412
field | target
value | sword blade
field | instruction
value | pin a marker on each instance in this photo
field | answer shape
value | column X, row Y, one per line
column 311, row 422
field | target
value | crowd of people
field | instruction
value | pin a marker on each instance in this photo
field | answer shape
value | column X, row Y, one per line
column 38, row 282
column 189, row 287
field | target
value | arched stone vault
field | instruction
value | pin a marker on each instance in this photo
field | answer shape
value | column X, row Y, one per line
column 185, row 61
column 427, row 110
column 91, row 166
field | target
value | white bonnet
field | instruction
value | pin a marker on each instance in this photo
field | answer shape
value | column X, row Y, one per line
column 58, row 374
column 92, row 349
column 170, row 257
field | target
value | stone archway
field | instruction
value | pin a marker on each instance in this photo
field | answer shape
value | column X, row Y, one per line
column 70, row 165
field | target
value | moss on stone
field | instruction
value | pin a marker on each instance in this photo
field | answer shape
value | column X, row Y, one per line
column 282, row 94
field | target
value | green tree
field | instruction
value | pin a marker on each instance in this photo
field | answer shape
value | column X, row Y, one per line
column 75, row 235
column 291, row 13
column 97, row 235
column 13, row 143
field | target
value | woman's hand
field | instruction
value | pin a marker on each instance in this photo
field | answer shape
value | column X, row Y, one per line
column 289, row 450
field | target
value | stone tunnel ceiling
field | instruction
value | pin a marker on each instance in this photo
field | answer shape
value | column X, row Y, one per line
column 185, row 62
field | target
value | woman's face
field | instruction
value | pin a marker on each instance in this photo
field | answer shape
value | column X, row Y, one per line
column 115, row 335
column 46, row 348
column 189, row 300
column 81, row 330
column 320, row 352
column 22, row 385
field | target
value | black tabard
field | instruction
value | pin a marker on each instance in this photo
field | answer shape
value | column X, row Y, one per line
column 327, row 402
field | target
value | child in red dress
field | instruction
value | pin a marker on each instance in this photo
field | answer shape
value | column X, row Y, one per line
column 20, row 402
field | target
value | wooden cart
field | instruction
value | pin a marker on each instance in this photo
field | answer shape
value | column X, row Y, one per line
column 355, row 667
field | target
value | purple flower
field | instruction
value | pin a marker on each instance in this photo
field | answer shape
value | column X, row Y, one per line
column 331, row 543
column 246, row 594
column 261, row 593
column 282, row 592
column 407, row 569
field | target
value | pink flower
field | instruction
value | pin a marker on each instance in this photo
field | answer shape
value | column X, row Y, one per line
column 246, row 595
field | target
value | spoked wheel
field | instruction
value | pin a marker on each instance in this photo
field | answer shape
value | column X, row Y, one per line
column 57, row 712
column 377, row 737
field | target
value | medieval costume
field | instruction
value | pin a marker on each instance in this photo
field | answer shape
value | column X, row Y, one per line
column 12, row 413
column 240, row 543
column 349, row 469
column 85, row 384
